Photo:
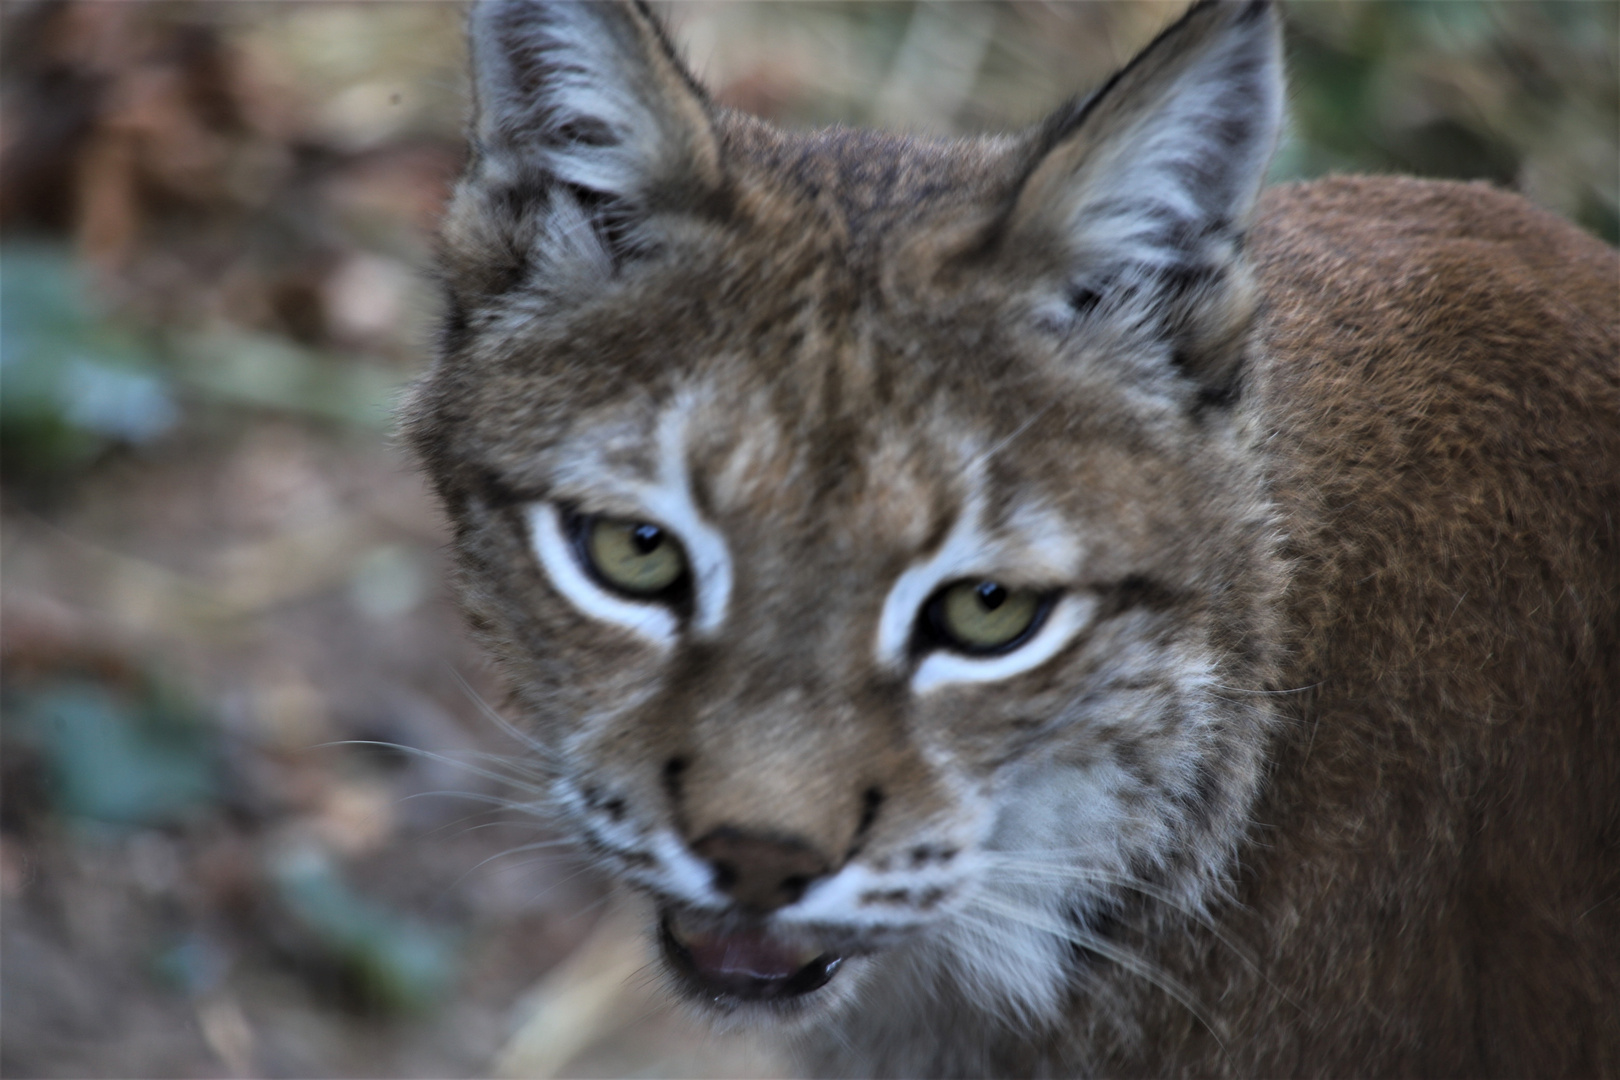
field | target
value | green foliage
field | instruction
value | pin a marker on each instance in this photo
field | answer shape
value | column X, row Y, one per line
column 72, row 382
column 265, row 372
column 397, row 964
column 75, row 382
column 122, row 760
column 1524, row 95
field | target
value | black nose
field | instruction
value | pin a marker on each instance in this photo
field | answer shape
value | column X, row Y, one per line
column 761, row 873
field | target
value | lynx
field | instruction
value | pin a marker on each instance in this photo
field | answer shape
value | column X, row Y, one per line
column 1041, row 604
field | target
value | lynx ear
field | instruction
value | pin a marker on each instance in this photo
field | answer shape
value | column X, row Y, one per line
column 1146, row 186
column 585, row 126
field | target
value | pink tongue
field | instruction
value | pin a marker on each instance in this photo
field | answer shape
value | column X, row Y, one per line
column 748, row 953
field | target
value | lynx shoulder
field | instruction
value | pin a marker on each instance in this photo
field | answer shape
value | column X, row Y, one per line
column 1043, row 604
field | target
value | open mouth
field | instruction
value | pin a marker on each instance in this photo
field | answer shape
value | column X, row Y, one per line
column 742, row 964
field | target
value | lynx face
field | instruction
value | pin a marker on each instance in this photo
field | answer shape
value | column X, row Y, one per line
column 866, row 526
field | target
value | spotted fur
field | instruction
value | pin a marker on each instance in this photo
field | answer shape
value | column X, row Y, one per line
column 1311, row 766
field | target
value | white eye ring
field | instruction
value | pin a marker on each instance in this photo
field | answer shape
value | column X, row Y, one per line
column 1069, row 615
column 560, row 558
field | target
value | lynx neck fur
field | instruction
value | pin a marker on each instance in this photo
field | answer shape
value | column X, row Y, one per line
column 1042, row 604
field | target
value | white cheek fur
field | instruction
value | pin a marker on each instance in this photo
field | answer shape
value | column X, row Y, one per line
column 667, row 501
column 670, row 503
column 965, row 553
column 964, row 546
column 653, row 622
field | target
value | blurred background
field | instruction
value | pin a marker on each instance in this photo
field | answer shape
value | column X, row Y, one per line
column 258, row 812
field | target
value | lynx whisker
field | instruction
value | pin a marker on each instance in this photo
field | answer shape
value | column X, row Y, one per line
column 1045, row 869
column 494, row 716
column 511, row 771
column 1268, row 693
column 997, row 907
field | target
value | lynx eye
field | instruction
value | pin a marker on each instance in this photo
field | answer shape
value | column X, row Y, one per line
column 634, row 557
column 985, row 616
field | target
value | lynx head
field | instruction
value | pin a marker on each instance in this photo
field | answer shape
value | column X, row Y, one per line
column 867, row 526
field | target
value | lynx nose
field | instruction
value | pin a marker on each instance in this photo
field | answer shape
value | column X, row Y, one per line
column 761, row 873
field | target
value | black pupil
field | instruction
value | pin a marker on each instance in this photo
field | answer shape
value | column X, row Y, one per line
column 991, row 595
column 647, row 538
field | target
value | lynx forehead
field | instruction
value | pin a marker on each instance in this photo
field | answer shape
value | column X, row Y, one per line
column 1027, row 604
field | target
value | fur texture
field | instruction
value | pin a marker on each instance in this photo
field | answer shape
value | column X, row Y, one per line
column 1310, row 764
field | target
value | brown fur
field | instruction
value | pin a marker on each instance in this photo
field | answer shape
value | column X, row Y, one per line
column 1375, row 489
column 1444, row 385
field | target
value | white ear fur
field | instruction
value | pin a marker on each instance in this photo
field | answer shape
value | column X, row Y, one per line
column 585, row 114
column 1153, row 178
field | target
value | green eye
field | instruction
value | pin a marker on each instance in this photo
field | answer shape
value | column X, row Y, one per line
column 633, row 556
column 985, row 616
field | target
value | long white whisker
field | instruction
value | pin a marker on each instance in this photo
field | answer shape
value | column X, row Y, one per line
column 540, row 845
column 1045, row 867
column 1076, row 935
column 517, row 774
column 1053, row 869
column 494, row 715
column 1086, row 875
column 1277, row 693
